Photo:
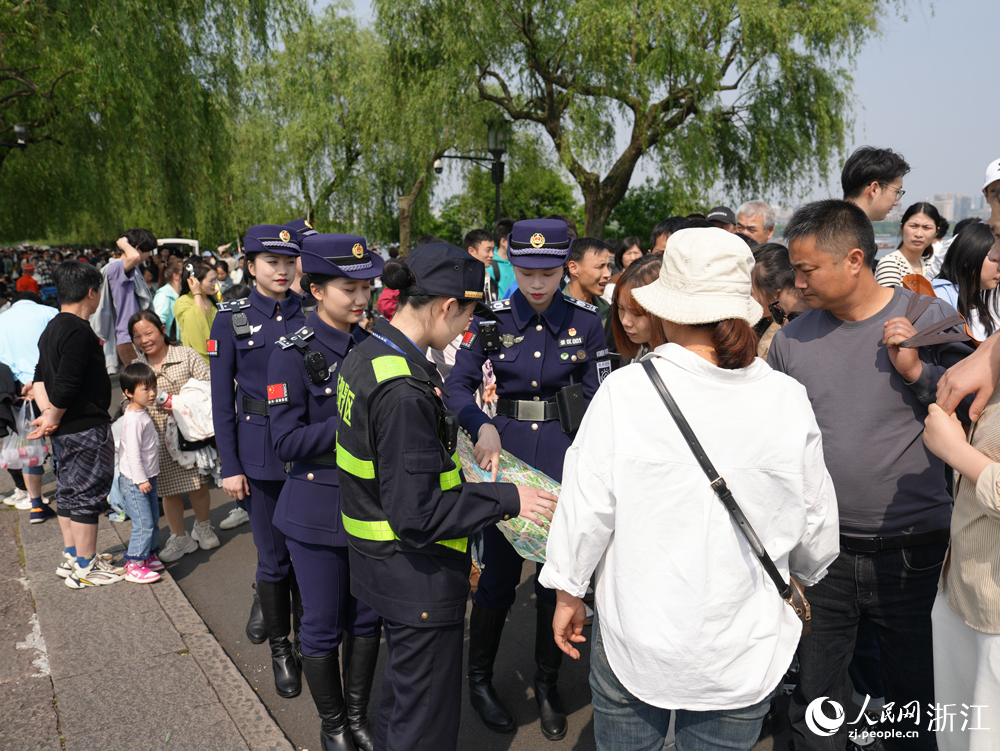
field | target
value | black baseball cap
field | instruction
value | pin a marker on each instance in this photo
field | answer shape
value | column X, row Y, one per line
column 445, row 270
column 722, row 214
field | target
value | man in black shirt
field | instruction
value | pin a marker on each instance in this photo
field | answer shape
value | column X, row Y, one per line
column 73, row 390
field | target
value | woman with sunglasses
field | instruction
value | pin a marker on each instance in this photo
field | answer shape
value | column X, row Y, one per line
column 774, row 288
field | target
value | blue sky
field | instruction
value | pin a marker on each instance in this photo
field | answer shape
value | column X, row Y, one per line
column 928, row 88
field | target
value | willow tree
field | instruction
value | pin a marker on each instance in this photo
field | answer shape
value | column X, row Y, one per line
column 128, row 105
column 749, row 93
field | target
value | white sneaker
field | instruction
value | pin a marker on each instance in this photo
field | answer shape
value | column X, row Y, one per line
column 97, row 574
column 236, row 517
column 18, row 496
column 26, row 504
column 176, row 547
column 205, row 536
column 68, row 563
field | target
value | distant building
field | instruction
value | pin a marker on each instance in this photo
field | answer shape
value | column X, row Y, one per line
column 953, row 206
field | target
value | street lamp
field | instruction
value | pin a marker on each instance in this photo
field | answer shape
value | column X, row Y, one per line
column 497, row 138
column 20, row 137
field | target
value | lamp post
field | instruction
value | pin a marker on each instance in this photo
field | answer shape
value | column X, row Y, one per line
column 497, row 139
column 21, row 137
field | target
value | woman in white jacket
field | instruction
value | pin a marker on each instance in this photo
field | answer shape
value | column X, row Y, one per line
column 688, row 620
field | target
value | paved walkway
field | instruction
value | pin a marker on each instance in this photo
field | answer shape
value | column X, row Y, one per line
column 117, row 667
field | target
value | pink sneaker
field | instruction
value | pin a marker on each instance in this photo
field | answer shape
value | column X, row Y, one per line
column 138, row 573
column 153, row 563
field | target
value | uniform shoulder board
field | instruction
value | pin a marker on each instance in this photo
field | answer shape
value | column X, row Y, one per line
column 285, row 343
column 500, row 304
column 301, row 336
column 233, row 306
column 581, row 304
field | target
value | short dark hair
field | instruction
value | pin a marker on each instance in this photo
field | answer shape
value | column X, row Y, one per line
column 501, row 229
column 772, row 270
column 237, row 292
column 667, row 227
column 475, row 236
column 585, row 245
column 141, row 239
column 74, row 280
column 135, row 374
column 869, row 164
column 426, row 240
column 27, row 295
column 837, row 226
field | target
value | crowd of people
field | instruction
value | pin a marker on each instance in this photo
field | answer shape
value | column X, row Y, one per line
column 778, row 462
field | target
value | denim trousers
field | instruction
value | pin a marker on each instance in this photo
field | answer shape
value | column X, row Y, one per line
column 624, row 723
column 895, row 591
column 144, row 510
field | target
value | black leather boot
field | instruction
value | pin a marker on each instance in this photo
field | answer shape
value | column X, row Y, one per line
column 548, row 657
column 296, row 614
column 276, row 605
column 360, row 657
column 323, row 675
column 485, row 630
column 256, row 632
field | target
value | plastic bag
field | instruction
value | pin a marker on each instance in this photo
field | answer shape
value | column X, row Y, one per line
column 19, row 452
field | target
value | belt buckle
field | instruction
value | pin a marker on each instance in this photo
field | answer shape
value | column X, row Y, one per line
column 531, row 411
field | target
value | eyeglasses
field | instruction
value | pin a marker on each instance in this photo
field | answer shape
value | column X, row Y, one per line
column 899, row 191
column 779, row 316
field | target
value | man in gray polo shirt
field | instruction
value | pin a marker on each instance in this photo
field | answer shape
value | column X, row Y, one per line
column 870, row 397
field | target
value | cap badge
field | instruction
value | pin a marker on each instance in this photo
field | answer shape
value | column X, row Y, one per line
column 537, row 240
column 285, row 237
column 358, row 250
column 307, row 223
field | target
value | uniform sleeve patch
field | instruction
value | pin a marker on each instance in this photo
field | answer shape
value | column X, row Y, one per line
column 602, row 353
column 212, row 347
column 469, row 340
column 277, row 393
column 603, row 370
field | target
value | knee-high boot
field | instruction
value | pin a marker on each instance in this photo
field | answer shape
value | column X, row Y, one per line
column 485, row 630
column 360, row 658
column 296, row 614
column 323, row 675
column 276, row 606
column 548, row 657
column 256, row 632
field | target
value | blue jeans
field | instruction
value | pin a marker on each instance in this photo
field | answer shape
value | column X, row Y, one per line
column 895, row 591
column 624, row 723
column 145, row 514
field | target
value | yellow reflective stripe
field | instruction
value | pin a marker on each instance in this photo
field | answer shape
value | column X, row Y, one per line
column 452, row 478
column 351, row 464
column 390, row 366
column 382, row 532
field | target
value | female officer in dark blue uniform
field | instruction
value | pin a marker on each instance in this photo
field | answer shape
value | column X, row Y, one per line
column 303, row 375
column 549, row 356
column 244, row 335
column 406, row 511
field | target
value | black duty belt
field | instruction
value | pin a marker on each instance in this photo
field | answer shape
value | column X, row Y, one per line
column 329, row 459
column 255, row 406
column 875, row 544
column 528, row 411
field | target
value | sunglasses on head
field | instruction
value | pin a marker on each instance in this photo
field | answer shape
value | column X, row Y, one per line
column 779, row 316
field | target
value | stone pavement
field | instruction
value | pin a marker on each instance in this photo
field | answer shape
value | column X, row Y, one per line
column 124, row 666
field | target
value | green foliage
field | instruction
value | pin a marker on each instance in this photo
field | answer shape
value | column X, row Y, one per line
column 746, row 92
column 532, row 188
column 648, row 204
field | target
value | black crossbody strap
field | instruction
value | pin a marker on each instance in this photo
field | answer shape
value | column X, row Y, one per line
column 718, row 483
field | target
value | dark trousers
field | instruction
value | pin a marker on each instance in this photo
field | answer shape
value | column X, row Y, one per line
column 895, row 590
column 328, row 607
column 273, row 561
column 502, row 573
column 421, row 689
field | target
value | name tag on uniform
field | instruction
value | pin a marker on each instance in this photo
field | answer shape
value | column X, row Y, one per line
column 469, row 340
column 574, row 341
column 603, row 370
column 277, row 393
column 602, row 353
column 212, row 347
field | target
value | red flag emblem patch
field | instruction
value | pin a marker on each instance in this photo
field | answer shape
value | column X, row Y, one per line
column 212, row 347
column 277, row 393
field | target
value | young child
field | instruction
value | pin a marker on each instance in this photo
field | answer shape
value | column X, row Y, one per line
column 138, row 466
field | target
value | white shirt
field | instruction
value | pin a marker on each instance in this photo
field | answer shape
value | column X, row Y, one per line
column 689, row 618
column 138, row 450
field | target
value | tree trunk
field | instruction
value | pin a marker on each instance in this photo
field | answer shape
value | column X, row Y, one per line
column 405, row 221
column 598, row 206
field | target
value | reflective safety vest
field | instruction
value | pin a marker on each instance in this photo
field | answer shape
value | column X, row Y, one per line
column 361, row 378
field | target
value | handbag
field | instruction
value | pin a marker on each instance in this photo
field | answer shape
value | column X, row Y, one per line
column 791, row 592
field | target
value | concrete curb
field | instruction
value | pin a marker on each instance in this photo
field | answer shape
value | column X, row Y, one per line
column 240, row 701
